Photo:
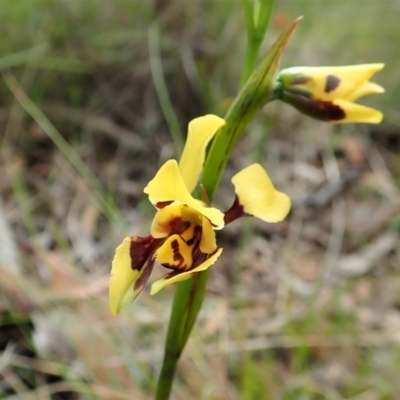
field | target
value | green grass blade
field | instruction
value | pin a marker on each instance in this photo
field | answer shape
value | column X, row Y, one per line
column 106, row 203
column 161, row 88
column 22, row 57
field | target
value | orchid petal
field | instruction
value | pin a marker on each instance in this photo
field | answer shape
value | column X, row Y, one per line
column 357, row 113
column 131, row 268
column 258, row 196
column 365, row 89
column 208, row 242
column 168, row 185
column 200, row 131
column 174, row 277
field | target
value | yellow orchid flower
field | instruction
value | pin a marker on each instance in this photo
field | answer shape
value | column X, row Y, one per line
column 328, row 93
column 182, row 234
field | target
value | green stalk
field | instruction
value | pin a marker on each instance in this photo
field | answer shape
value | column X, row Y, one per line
column 257, row 21
column 189, row 294
column 185, row 308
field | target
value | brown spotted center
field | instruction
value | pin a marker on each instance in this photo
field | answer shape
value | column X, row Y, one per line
column 179, row 261
column 178, row 225
column 183, row 252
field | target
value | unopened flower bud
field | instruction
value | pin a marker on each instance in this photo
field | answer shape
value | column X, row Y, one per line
column 328, row 93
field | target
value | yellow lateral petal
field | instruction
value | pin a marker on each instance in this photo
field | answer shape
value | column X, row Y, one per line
column 168, row 185
column 358, row 113
column 122, row 289
column 168, row 279
column 208, row 242
column 364, row 90
column 200, row 131
column 258, row 196
column 352, row 78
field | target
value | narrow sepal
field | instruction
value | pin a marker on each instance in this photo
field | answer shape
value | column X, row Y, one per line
column 131, row 268
column 200, row 131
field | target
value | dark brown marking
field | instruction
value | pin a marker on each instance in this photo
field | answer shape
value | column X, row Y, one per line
column 328, row 111
column 236, row 211
column 162, row 204
column 141, row 249
column 198, row 258
column 179, row 261
column 323, row 110
column 332, row 82
column 196, row 236
column 171, row 275
column 178, row 225
column 148, row 267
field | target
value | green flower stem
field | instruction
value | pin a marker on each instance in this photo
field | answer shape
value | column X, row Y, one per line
column 189, row 294
column 257, row 21
column 185, row 308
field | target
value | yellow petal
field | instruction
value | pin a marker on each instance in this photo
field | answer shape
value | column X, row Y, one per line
column 358, row 113
column 168, row 185
column 364, row 90
column 258, row 196
column 200, row 131
column 352, row 78
column 126, row 283
column 208, row 242
column 173, row 277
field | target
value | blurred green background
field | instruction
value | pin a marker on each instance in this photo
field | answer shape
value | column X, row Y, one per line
column 91, row 94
